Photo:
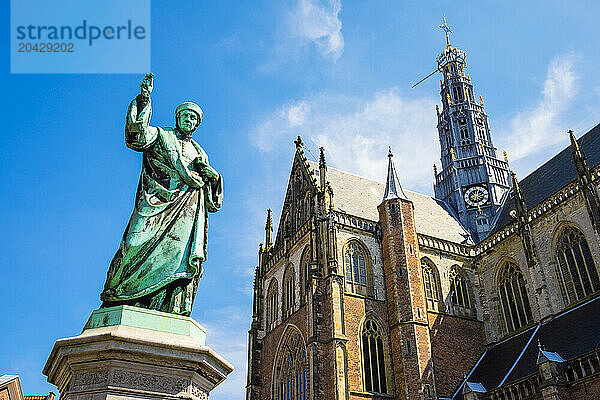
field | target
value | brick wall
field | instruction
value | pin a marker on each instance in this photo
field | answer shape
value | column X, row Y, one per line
column 457, row 343
column 355, row 309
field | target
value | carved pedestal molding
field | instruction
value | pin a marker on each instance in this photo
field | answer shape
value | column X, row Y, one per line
column 128, row 362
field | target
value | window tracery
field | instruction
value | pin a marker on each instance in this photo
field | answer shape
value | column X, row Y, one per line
column 577, row 273
column 271, row 319
column 289, row 290
column 356, row 269
column 460, row 298
column 304, row 272
column 291, row 376
column 373, row 358
column 430, row 285
column 516, row 309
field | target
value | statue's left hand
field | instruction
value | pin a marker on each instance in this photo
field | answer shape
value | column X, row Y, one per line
column 209, row 172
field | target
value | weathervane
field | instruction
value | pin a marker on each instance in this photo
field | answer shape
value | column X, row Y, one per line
column 446, row 30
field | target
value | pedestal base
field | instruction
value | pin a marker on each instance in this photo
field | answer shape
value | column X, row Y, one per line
column 132, row 353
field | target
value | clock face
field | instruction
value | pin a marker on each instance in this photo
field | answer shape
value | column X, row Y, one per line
column 476, row 196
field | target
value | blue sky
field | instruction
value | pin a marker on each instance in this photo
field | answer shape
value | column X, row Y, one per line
column 338, row 73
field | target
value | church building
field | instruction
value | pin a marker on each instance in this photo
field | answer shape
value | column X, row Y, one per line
column 489, row 290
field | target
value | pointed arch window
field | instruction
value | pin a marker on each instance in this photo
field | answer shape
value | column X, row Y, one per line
column 430, row 284
column 513, row 297
column 373, row 358
column 292, row 369
column 356, row 269
column 577, row 275
column 460, row 298
column 272, row 305
column 289, row 290
column 304, row 266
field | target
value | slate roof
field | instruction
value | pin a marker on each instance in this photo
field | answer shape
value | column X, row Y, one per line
column 358, row 196
column 570, row 334
column 551, row 176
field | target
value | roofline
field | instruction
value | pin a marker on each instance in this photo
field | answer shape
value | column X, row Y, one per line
column 520, row 354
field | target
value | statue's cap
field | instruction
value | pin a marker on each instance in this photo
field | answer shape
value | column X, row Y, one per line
column 188, row 105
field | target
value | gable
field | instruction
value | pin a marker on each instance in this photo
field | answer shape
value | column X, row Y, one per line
column 298, row 199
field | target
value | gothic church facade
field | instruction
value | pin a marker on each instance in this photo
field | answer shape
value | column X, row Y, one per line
column 489, row 290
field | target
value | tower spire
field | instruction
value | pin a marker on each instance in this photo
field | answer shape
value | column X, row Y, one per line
column 393, row 189
column 473, row 177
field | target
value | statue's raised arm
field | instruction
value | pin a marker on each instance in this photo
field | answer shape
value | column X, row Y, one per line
column 139, row 135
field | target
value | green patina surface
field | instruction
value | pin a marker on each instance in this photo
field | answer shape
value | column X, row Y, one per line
column 146, row 319
column 158, row 264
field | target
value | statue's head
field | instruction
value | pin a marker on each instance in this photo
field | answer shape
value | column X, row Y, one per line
column 188, row 116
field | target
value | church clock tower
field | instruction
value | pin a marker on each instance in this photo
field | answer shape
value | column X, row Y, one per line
column 473, row 179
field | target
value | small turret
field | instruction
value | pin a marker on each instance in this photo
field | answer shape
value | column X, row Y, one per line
column 393, row 189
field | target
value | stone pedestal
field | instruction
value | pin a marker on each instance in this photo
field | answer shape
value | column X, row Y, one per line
column 132, row 353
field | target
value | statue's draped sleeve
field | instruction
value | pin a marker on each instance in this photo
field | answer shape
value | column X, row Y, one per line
column 139, row 135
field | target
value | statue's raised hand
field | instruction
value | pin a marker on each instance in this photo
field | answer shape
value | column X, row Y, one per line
column 147, row 85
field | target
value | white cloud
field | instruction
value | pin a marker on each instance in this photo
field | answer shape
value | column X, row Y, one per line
column 356, row 133
column 542, row 126
column 318, row 21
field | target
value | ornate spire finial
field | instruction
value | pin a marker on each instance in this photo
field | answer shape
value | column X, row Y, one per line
column 393, row 189
column 452, row 153
column 446, row 30
column 481, row 100
column 434, row 170
column 580, row 160
column 322, row 157
column 521, row 207
column 505, row 156
column 269, row 230
column 299, row 144
column 322, row 168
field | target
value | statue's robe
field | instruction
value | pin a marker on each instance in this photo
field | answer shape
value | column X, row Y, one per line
column 165, row 239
